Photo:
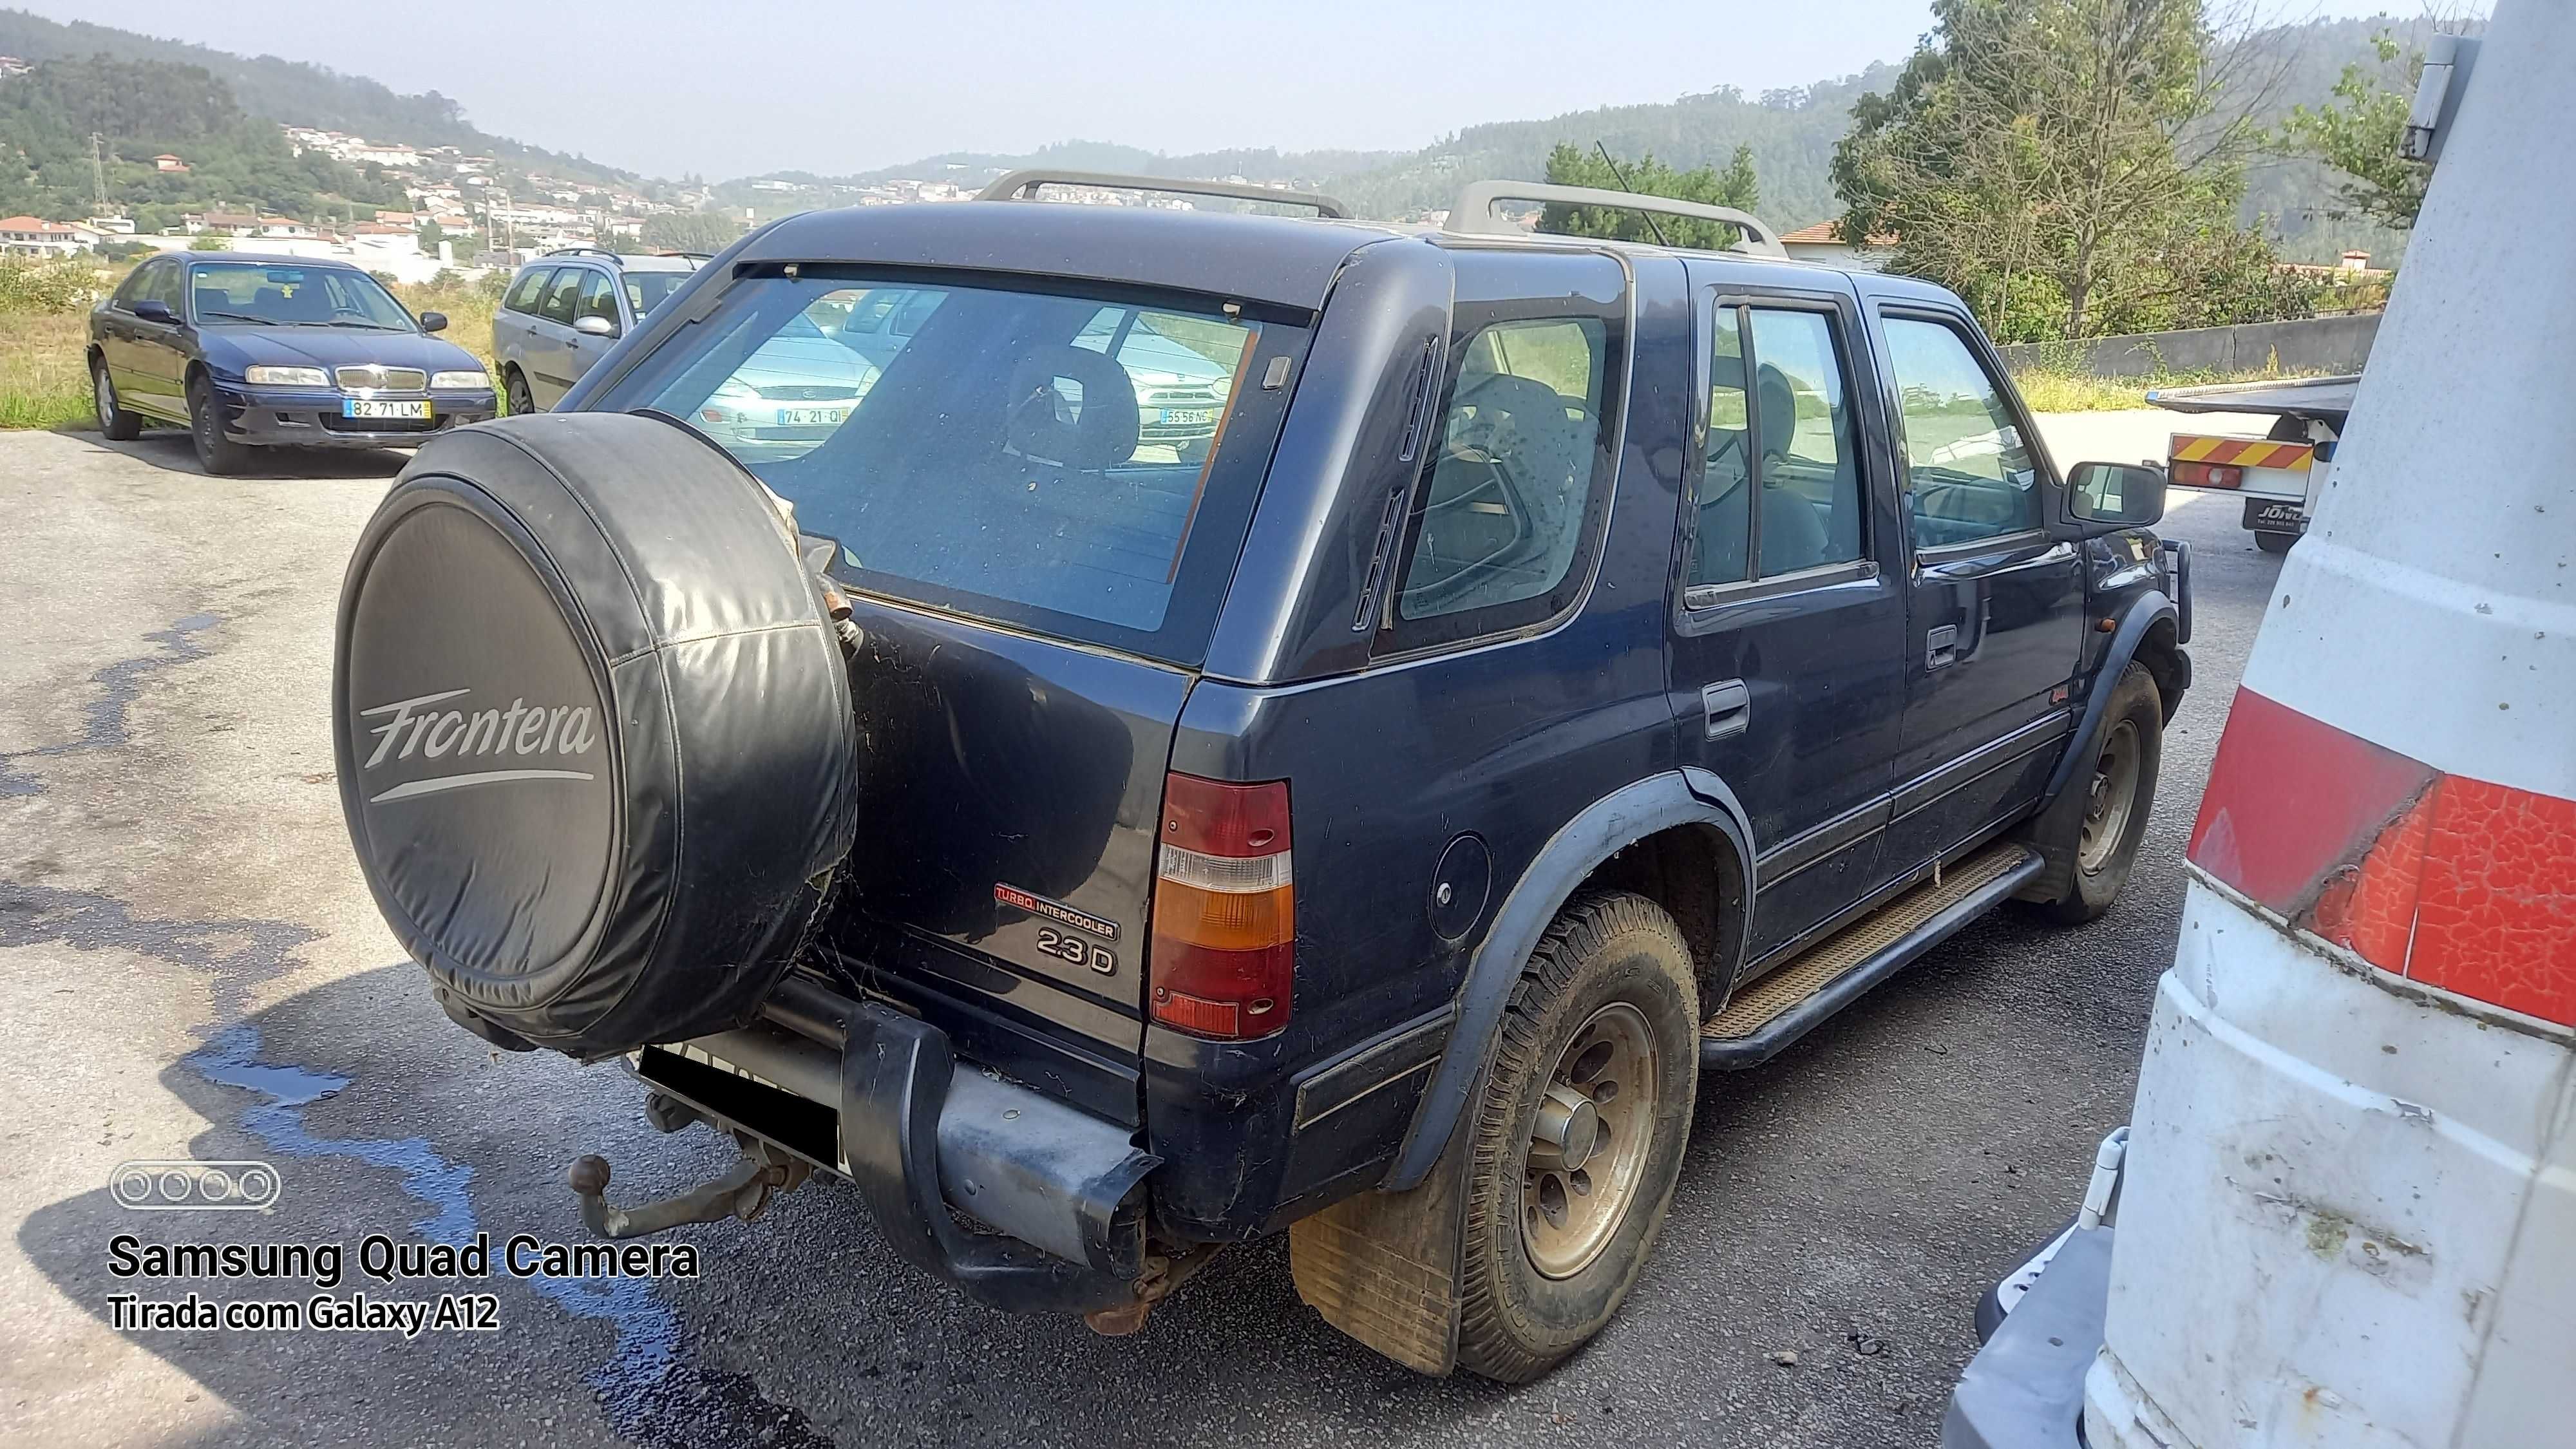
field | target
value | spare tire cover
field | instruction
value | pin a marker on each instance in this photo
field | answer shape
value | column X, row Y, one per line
column 594, row 730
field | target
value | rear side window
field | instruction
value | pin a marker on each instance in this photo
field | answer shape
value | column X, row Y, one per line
column 1967, row 466
column 1504, row 514
column 530, row 286
column 1081, row 465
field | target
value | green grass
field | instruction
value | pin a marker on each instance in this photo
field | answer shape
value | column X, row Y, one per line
column 2048, row 390
column 44, row 382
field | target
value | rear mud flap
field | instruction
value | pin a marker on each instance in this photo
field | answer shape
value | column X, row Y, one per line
column 1383, row 1266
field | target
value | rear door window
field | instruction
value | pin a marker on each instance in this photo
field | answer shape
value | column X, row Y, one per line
column 531, row 286
column 1083, row 465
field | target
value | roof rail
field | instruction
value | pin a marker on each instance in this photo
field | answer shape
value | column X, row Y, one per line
column 1015, row 186
column 583, row 252
column 1474, row 213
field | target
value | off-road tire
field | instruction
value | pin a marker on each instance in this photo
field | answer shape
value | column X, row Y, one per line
column 2136, row 706
column 119, row 423
column 1516, row 1323
column 216, row 453
column 515, row 394
column 2275, row 542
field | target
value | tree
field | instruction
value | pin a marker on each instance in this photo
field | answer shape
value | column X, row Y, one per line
column 430, row 237
column 2358, row 136
column 2065, row 165
column 1736, row 186
column 690, row 231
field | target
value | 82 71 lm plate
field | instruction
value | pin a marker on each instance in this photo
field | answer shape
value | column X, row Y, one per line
column 376, row 407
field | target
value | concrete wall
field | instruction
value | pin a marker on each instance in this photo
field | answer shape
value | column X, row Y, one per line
column 2316, row 344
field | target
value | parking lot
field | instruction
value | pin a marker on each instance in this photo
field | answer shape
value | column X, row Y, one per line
column 191, row 967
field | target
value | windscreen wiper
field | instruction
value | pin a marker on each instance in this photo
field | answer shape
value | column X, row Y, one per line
column 240, row 317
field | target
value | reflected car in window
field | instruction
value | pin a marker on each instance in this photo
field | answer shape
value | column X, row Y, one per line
column 794, row 391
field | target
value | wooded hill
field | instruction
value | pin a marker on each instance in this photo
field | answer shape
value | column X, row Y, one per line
column 145, row 108
column 295, row 93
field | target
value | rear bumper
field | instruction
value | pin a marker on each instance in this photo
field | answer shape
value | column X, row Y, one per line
column 871, row 1095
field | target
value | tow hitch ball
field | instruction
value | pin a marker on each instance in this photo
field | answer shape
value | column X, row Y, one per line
column 741, row 1193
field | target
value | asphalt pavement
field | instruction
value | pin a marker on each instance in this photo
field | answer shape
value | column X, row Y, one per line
column 190, row 968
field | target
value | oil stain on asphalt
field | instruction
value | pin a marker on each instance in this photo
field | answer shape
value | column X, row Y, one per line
column 104, row 723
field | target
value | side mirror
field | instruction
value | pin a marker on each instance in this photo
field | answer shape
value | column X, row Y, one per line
column 593, row 325
column 2105, row 496
column 433, row 321
column 156, row 312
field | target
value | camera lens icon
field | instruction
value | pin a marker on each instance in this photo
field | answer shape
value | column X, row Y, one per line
column 200, row 1186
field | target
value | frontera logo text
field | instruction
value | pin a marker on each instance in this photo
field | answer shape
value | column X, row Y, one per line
column 491, row 734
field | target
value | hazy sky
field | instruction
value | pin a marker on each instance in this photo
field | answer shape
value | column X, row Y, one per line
column 730, row 89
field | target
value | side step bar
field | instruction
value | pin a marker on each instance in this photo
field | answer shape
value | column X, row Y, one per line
column 1765, row 1017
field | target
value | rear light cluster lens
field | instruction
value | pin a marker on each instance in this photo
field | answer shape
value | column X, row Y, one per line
column 1225, row 909
column 2206, row 475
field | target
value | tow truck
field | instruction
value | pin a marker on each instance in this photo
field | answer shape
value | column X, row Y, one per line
column 2282, row 474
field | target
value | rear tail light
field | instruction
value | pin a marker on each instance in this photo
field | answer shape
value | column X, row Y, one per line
column 2205, row 475
column 1225, row 909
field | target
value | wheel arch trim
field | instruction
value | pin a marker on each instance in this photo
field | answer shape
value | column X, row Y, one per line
column 1609, row 825
column 2143, row 612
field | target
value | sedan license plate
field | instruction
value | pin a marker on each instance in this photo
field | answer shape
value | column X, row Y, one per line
column 812, row 417
column 1189, row 415
column 370, row 407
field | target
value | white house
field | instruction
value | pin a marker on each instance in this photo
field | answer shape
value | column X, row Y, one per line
column 26, row 236
column 399, row 157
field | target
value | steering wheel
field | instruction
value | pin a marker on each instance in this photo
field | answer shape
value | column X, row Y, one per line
column 1499, row 484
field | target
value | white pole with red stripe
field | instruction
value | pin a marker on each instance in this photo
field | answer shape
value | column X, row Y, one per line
column 2348, row 1215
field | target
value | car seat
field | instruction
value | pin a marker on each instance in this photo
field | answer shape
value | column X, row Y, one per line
column 1793, row 537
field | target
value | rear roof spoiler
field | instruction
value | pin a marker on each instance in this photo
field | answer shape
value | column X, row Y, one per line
column 1018, row 186
column 1473, row 215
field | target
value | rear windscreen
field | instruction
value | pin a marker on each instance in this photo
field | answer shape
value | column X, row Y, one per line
column 1080, row 464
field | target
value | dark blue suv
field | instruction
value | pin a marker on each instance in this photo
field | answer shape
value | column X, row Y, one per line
column 1549, row 670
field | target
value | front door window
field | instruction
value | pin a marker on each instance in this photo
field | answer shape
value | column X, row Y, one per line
column 1968, row 468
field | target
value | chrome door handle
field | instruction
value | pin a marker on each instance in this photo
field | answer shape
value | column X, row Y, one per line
column 1726, row 708
column 1940, row 646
